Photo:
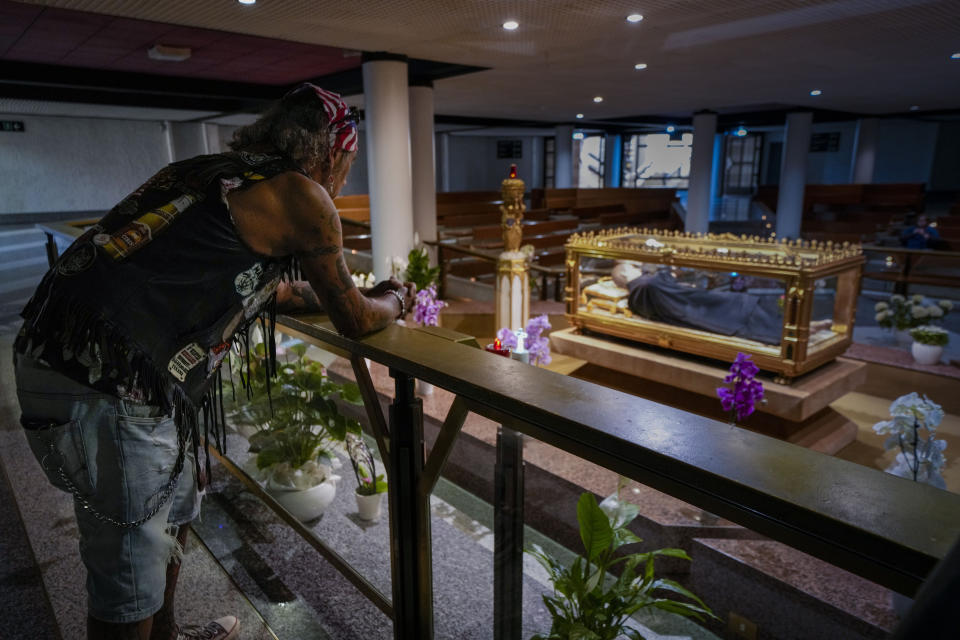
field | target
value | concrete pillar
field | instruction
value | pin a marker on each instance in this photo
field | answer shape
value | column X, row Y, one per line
column 423, row 162
column 864, row 151
column 189, row 139
column 167, row 128
column 793, row 174
column 699, row 194
column 612, row 153
column 387, row 104
column 443, row 163
column 563, row 158
column 211, row 132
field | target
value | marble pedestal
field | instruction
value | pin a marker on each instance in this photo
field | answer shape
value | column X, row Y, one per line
column 798, row 413
column 512, row 291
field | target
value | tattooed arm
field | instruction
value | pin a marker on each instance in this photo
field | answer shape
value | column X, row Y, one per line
column 297, row 296
column 317, row 243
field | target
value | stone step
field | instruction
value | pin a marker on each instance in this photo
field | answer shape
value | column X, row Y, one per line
column 11, row 252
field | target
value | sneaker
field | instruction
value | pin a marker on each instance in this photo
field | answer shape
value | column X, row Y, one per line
column 225, row 628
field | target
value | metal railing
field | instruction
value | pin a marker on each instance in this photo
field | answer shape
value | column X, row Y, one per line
column 877, row 526
column 886, row 529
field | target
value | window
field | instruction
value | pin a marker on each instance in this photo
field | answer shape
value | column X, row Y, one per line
column 741, row 167
column 588, row 159
column 657, row 160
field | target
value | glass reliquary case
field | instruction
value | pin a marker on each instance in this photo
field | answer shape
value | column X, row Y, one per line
column 789, row 304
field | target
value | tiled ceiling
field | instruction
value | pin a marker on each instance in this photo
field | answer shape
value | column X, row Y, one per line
column 866, row 56
column 50, row 35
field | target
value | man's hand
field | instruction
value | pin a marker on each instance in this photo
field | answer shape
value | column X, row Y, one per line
column 407, row 289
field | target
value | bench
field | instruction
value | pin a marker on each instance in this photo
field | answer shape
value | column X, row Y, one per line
column 915, row 266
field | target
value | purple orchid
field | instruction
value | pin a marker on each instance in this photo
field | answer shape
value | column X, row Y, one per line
column 536, row 343
column 741, row 400
column 426, row 309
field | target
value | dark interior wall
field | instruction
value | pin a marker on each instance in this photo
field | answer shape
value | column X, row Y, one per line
column 945, row 175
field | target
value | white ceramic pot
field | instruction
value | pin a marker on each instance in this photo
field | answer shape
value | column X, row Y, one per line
column 424, row 388
column 368, row 507
column 305, row 504
column 926, row 353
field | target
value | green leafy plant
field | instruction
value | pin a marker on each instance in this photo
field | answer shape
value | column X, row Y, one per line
column 586, row 604
column 419, row 270
column 369, row 482
column 928, row 334
column 298, row 420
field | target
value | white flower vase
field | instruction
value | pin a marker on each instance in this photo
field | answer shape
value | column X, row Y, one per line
column 305, row 504
column 369, row 506
column 424, row 388
column 926, row 353
column 904, row 339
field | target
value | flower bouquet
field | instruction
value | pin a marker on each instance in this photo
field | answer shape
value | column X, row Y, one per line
column 533, row 339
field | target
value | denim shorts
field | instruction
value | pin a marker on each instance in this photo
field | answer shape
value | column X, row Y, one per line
column 116, row 459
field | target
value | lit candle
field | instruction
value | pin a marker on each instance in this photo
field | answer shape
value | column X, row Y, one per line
column 497, row 348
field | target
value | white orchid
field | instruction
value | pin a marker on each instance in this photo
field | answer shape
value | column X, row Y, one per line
column 918, row 312
column 935, row 312
column 920, row 458
column 917, row 298
column 946, row 305
column 881, row 306
column 363, row 280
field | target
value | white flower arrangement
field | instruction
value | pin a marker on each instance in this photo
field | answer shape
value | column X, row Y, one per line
column 920, row 458
column 929, row 334
column 364, row 280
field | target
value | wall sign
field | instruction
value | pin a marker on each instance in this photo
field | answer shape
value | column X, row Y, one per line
column 512, row 149
column 11, row 125
column 820, row 142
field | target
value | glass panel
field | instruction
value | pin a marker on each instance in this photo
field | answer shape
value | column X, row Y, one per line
column 590, row 171
column 654, row 160
column 716, row 303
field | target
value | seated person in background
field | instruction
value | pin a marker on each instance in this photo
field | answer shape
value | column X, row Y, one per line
column 920, row 236
column 658, row 296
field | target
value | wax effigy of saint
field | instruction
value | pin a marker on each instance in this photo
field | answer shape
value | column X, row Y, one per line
column 656, row 295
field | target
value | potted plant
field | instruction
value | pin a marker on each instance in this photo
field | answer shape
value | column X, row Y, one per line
column 534, row 342
column 589, row 604
column 418, row 269
column 913, row 431
column 299, row 425
column 370, row 485
column 928, row 343
column 901, row 314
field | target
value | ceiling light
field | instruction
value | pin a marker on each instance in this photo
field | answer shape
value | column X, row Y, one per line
column 740, row 132
column 247, row 1
column 578, row 135
column 955, row 56
column 579, row 116
column 510, row 25
column 598, row 98
column 168, row 54
column 671, row 128
column 640, row 66
column 634, row 17
column 914, row 108
column 816, row 92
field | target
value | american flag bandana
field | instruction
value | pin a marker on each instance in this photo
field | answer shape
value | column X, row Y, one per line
column 343, row 119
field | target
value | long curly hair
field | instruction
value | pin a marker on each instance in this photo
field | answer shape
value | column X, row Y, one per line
column 296, row 126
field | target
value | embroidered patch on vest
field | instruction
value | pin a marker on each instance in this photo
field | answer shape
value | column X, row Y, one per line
column 185, row 360
column 246, row 281
column 78, row 260
column 216, row 356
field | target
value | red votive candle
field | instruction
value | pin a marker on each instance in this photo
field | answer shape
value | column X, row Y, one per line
column 498, row 349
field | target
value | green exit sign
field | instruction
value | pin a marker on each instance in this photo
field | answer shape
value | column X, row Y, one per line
column 11, row 125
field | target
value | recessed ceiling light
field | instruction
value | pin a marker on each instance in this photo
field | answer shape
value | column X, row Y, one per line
column 168, row 53
column 247, row 1
column 816, row 92
column 579, row 116
column 740, row 132
column 640, row 66
column 955, row 56
column 634, row 17
column 578, row 135
column 598, row 98
column 914, row 108
column 510, row 25
column 671, row 128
